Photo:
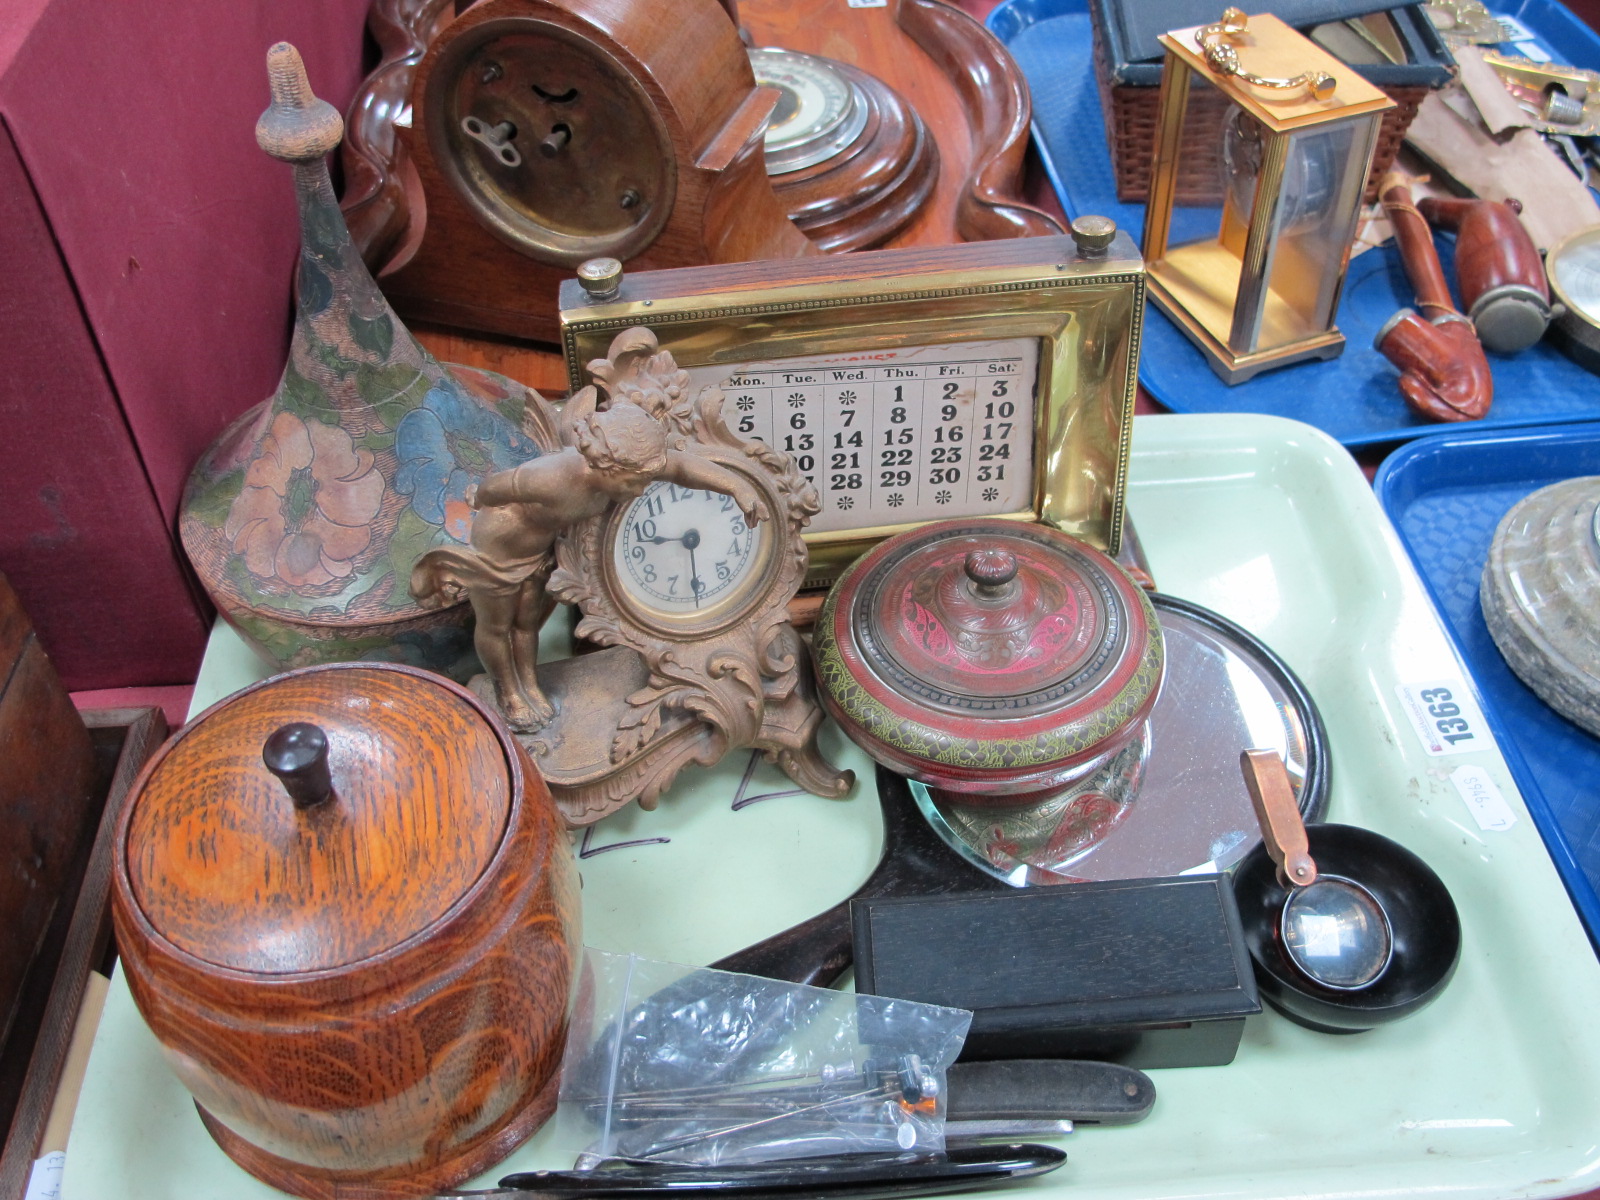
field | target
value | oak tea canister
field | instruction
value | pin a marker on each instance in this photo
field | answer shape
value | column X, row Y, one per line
column 347, row 909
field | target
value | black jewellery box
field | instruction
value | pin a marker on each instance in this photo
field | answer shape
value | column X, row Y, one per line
column 1144, row 972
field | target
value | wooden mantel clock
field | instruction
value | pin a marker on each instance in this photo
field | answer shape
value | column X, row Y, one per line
column 493, row 151
column 545, row 132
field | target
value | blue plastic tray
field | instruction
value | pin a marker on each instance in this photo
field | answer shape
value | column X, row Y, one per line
column 1445, row 496
column 1354, row 397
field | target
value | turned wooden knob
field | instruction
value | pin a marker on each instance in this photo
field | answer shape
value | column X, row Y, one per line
column 297, row 753
column 297, row 127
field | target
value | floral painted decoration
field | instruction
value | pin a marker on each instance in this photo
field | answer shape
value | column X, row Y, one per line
column 443, row 446
column 308, row 498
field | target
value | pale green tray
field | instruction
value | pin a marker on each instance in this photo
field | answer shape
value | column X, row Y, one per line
column 1494, row 1091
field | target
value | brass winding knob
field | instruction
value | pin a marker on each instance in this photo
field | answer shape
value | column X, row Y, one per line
column 600, row 278
column 1093, row 234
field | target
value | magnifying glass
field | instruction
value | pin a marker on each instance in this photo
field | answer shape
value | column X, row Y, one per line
column 1333, row 930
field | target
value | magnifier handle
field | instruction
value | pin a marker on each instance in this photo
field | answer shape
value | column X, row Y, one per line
column 1282, row 828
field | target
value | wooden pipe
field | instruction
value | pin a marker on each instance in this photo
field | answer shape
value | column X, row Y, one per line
column 1498, row 270
column 1415, row 239
column 1444, row 375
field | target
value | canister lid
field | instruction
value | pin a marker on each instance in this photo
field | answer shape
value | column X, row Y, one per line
column 230, row 868
column 1012, row 636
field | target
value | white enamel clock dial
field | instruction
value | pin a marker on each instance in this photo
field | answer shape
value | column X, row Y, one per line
column 684, row 553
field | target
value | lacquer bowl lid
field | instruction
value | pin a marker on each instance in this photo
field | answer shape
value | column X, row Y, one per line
column 231, row 870
column 987, row 654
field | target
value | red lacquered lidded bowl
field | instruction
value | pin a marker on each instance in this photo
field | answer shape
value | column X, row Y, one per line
column 347, row 908
column 988, row 658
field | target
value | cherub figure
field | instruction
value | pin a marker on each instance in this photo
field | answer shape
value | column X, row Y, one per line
column 611, row 456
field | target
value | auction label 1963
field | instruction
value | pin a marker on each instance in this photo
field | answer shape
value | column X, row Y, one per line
column 1446, row 717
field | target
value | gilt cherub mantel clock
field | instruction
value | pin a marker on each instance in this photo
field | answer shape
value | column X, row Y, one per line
column 680, row 544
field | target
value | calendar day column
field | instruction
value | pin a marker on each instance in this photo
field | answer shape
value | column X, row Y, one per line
column 896, row 440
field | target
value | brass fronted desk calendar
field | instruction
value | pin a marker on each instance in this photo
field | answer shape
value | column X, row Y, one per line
column 910, row 385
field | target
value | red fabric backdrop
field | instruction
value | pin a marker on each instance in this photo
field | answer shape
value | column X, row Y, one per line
column 146, row 246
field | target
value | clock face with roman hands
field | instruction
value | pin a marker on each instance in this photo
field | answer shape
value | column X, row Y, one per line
column 687, row 554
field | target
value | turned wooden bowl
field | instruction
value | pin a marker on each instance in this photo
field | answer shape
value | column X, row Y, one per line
column 347, row 908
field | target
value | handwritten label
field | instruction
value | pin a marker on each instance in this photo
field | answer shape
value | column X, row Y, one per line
column 1484, row 801
column 44, row 1181
column 1446, row 717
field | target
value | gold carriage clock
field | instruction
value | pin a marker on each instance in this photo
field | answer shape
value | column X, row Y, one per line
column 1298, row 132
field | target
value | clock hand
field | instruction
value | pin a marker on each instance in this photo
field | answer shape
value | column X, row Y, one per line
column 691, row 539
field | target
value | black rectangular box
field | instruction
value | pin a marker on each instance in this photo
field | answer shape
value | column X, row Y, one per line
column 1145, row 972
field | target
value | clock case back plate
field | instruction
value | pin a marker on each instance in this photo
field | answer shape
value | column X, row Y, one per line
column 1085, row 311
column 470, row 259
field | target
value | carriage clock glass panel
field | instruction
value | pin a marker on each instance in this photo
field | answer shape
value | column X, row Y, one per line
column 893, row 436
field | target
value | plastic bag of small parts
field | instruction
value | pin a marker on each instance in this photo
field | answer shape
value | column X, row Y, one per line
column 667, row 1063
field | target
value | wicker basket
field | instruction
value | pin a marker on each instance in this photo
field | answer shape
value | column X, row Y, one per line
column 1130, row 110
